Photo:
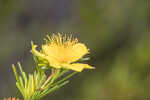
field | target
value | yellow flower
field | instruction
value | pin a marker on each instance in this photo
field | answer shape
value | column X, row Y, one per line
column 62, row 52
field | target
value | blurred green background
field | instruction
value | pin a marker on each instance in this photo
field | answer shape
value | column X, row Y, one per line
column 116, row 31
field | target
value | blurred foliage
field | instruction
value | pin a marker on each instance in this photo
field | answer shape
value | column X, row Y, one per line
column 116, row 31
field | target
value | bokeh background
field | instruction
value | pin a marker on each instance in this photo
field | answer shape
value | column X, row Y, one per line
column 116, row 31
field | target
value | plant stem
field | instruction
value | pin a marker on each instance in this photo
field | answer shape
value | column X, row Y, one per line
column 48, row 79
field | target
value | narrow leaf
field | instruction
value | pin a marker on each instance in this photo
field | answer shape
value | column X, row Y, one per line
column 15, row 72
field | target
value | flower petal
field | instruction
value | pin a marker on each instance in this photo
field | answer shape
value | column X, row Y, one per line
column 78, row 51
column 77, row 67
column 37, row 53
column 52, row 62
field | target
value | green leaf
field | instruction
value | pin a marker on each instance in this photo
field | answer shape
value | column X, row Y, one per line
column 20, row 68
column 21, row 82
column 23, row 75
column 65, row 78
column 47, row 91
column 30, row 85
column 84, row 59
column 15, row 72
column 53, row 79
column 20, row 88
column 63, row 72
column 41, row 81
